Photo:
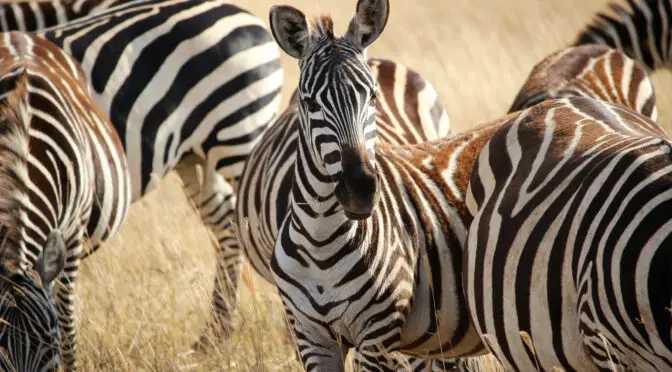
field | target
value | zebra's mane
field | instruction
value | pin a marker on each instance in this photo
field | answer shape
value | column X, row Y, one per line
column 14, row 140
column 322, row 26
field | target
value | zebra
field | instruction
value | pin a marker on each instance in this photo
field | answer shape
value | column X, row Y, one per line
column 594, row 71
column 35, row 15
column 64, row 179
column 643, row 33
column 368, row 255
column 408, row 110
column 567, row 262
column 187, row 85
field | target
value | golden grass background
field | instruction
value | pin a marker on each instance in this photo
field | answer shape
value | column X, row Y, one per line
column 144, row 297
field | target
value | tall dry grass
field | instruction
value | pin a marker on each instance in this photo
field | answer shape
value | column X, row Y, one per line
column 144, row 297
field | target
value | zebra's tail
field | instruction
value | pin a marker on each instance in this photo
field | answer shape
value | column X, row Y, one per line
column 644, row 32
column 14, row 152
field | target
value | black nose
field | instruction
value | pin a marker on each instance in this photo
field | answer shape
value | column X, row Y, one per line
column 358, row 189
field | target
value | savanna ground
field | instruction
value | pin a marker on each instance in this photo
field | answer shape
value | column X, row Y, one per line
column 144, row 297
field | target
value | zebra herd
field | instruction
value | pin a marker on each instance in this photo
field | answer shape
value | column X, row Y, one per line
column 542, row 237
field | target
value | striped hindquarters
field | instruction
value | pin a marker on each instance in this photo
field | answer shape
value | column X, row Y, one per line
column 644, row 32
column 179, row 77
column 594, row 71
column 569, row 250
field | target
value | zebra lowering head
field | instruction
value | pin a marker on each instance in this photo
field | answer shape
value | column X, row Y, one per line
column 29, row 331
column 337, row 98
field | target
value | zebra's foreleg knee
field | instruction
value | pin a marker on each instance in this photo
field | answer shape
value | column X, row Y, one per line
column 373, row 359
column 215, row 199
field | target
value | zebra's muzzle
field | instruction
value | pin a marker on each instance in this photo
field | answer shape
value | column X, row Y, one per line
column 358, row 189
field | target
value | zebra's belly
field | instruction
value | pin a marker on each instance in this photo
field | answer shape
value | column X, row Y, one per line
column 438, row 323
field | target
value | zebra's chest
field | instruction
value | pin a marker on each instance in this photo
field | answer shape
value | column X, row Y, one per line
column 345, row 282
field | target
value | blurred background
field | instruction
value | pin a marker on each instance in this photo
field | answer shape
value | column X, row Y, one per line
column 144, row 297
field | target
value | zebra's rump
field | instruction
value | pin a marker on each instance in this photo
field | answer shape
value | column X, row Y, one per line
column 573, row 215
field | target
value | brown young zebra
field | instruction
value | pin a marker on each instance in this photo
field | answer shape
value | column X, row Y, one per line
column 64, row 179
column 594, row 71
column 568, row 255
column 643, row 32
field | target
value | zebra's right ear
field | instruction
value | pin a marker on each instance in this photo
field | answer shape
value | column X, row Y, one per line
column 290, row 29
column 52, row 260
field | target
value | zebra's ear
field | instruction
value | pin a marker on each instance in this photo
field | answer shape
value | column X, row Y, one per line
column 290, row 29
column 52, row 260
column 369, row 21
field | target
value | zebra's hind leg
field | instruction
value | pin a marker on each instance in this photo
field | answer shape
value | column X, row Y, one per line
column 65, row 304
column 215, row 200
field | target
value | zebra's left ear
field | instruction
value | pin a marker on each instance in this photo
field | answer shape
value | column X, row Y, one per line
column 52, row 260
column 369, row 22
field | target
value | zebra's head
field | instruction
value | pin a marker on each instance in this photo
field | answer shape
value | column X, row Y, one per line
column 29, row 330
column 337, row 97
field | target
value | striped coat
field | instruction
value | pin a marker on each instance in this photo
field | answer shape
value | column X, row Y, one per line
column 64, row 173
column 568, row 254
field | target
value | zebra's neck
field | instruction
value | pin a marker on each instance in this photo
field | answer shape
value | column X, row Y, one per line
column 313, row 200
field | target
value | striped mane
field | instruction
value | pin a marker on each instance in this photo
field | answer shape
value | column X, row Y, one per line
column 14, row 124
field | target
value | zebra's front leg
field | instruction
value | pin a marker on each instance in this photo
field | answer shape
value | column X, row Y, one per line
column 316, row 350
column 65, row 305
column 215, row 200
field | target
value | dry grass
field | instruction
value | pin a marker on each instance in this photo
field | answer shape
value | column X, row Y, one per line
column 144, row 297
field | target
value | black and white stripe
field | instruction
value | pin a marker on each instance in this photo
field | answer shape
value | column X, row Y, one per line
column 65, row 179
column 569, row 250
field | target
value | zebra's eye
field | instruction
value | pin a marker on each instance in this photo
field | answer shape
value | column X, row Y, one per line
column 373, row 100
column 311, row 104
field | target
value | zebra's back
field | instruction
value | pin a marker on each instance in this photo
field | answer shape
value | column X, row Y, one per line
column 35, row 15
column 179, row 77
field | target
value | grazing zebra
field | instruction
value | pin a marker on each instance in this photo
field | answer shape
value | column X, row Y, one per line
column 568, row 255
column 64, row 179
column 34, row 15
column 408, row 111
column 187, row 85
column 643, row 33
column 369, row 253
column 594, row 71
